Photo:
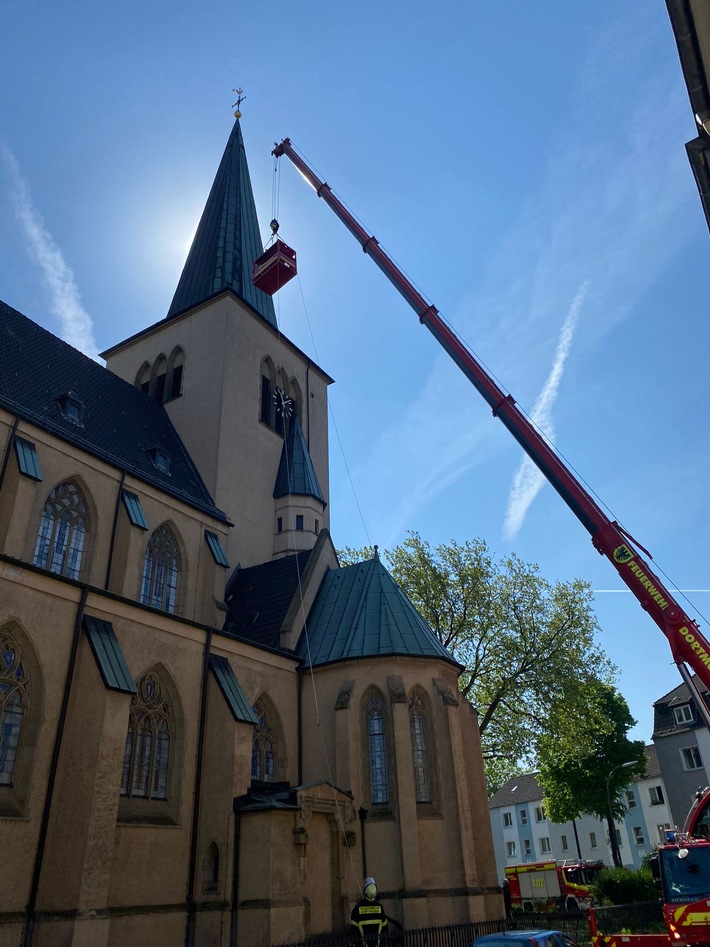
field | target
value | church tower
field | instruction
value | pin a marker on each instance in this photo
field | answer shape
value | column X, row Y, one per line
column 224, row 372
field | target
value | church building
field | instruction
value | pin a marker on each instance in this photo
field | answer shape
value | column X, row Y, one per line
column 210, row 732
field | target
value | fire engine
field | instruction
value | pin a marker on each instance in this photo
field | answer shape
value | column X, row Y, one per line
column 551, row 886
column 682, row 864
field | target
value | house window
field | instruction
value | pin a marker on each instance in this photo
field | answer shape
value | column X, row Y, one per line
column 63, row 531
column 377, row 747
column 510, row 849
column 545, row 845
column 523, row 816
column 638, row 835
column 161, row 570
column 14, row 705
column 563, row 843
column 592, row 839
column 619, row 839
column 263, row 747
column 299, row 521
column 160, row 459
column 27, row 459
column 656, row 794
column 683, row 714
column 72, row 408
column 507, row 819
column 540, row 814
column 279, row 524
column 630, row 799
column 146, row 760
column 418, row 729
column 662, row 829
column 691, row 758
column 527, row 848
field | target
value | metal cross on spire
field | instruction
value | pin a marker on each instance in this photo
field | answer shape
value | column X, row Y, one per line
column 240, row 99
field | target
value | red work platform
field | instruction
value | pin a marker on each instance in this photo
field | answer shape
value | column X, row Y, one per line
column 274, row 268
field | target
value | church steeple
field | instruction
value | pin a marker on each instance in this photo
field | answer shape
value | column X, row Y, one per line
column 227, row 240
column 296, row 475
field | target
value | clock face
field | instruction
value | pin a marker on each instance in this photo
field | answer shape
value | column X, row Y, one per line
column 284, row 404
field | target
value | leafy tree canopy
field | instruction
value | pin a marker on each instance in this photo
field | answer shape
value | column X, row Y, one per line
column 527, row 645
column 583, row 772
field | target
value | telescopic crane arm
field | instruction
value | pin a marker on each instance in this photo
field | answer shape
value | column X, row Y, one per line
column 688, row 644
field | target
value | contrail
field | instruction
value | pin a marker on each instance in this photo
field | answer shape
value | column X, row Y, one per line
column 528, row 480
column 65, row 300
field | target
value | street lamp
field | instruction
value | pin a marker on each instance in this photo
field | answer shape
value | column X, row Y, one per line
column 615, row 854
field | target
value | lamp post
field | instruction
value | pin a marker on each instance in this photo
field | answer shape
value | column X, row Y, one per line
column 615, row 854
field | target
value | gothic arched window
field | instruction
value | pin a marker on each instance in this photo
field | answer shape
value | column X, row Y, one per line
column 161, row 570
column 143, row 378
column 175, row 372
column 377, row 747
column 266, row 403
column 63, row 531
column 419, row 731
column 158, row 379
column 146, row 760
column 263, row 751
column 14, row 706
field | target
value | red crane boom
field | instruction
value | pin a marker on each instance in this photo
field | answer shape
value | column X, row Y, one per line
column 689, row 646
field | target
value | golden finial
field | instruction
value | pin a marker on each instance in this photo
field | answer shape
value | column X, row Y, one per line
column 240, row 99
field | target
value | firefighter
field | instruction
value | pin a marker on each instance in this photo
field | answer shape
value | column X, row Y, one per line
column 368, row 915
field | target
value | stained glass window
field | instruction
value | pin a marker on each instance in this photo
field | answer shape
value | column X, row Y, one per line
column 63, row 531
column 420, row 755
column 262, row 752
column 379, row 792
column 146, row 761
column 161, row 571
column 14, row 705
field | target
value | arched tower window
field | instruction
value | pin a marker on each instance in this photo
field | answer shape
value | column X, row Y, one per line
column 63, row 531
column 210, row 868
column 158, row 379
column 266, row 405
column 176, row 365
column 151, row 729
column 14, row 705
column 376, row 724
column 297, row 398
column 419, row 729
column 161, row 570
column 143, row 378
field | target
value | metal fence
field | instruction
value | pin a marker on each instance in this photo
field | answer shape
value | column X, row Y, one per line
column 643, row 917
column 459, row 935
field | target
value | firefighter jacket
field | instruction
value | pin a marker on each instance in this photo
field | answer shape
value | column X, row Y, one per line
column 370, row 919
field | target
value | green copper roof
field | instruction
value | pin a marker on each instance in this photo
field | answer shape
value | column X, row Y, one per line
column 227, row 240
column 361, row 612
column 296, row 474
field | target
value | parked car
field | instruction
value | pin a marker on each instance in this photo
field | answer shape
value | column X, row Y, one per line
column 526, row 939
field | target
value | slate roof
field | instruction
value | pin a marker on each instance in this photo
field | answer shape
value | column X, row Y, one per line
column 227, row 240
column 296, row 475
column 518, row 789
column 259, row 597
column 361, row 612
column 664, row 721
column 120, row 423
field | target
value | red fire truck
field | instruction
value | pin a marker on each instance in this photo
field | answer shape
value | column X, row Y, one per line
column 682, row 865
column 551, row 885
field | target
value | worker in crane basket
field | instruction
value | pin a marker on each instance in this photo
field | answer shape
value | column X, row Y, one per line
column 368, row 915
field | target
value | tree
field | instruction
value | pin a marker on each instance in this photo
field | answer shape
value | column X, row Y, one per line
column 584, row 773
column 527, row 646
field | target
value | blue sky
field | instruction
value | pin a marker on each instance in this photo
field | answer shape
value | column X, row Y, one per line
column 523, row 162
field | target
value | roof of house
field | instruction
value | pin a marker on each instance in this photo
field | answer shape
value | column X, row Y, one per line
column 259, row 597
column 227, row 240
column 361, row 612
column 296, row 475
column 664, row 721
column 118, row 423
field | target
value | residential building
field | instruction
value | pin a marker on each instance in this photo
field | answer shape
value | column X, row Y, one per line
column 209, row 732
column 523, row 833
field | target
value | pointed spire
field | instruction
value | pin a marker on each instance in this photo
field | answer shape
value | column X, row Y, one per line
column 227, row 240
column 296, row 474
